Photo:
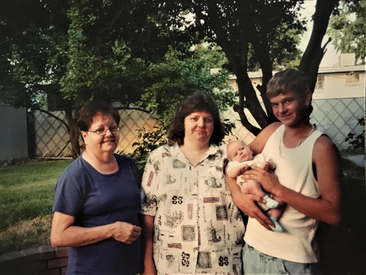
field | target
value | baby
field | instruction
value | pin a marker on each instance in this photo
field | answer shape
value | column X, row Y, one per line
column 240, row 159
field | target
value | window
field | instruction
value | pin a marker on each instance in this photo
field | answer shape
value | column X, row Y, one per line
column 320, row 82
column 352, row 78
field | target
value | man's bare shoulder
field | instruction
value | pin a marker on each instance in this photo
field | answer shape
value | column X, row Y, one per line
column 324, row 148
column 324, row 143
column 258, row 143
column 269, row 130
column 272, row 127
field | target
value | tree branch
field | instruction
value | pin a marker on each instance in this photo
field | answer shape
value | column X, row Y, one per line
column 133, row 108
column 314, row 53
column 55, row 117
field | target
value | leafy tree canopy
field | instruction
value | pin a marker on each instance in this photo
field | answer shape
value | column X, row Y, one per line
column 114, row 51
column 28, row 51
column 347, row 28
column 139, row 52
column 175, row 78
column 253, row 35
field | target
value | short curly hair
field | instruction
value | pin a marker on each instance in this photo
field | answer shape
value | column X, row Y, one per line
column 90, row 109
column 290, row 80
column 195, row 102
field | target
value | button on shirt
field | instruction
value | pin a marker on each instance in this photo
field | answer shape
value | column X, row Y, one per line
column 197, row 227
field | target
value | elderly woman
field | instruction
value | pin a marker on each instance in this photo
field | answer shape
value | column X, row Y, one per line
column 97, row 200
column 191, row 225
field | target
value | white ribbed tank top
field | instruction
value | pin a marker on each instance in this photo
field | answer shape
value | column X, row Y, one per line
column 294, row 170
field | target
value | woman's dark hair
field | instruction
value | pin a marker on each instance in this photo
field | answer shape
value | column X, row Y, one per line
column 196, row 102
column 89, row 110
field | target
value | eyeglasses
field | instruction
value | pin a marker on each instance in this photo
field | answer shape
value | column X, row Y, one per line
column 102, row 132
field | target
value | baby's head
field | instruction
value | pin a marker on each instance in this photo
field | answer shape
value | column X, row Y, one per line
column 238, row 151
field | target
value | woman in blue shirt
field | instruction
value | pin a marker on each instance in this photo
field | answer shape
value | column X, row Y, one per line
column 97, row 199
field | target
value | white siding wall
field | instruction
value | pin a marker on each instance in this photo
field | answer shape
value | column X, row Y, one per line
column 13, row 133
column 340, row 85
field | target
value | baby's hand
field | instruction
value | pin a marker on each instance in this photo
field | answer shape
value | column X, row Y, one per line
column 243, row 169
column 265, row 165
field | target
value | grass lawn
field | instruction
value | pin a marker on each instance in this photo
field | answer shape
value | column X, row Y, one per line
column 26, row 198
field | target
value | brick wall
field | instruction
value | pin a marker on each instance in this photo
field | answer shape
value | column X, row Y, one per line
column 44, row 260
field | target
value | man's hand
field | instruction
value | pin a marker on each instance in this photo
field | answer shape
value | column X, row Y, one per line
column 246, row 203
column 267, row 178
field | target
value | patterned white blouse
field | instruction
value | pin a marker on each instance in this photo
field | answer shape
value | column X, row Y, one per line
column 197, row 227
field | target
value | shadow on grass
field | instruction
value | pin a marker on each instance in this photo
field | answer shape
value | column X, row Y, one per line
column 26, row 234
column 343, row 249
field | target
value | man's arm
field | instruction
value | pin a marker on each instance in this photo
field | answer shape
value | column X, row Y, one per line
column 328, row 170
column 327, row 207
column 260, row 141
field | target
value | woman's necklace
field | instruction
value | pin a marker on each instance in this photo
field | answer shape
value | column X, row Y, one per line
column 313, row 128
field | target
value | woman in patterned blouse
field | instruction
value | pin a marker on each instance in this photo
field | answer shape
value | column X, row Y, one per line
column 191, row 225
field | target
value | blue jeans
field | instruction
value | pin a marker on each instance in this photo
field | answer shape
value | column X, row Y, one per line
column 255, row 262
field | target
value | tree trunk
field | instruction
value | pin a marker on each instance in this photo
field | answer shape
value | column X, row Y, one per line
column 248, row 99
column 73, row 131
column 314, row 52
column 310, row 62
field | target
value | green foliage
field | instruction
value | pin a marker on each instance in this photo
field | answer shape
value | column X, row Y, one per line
column 253, row 35
column 178, row 76
column 347, row 28
column 112, row 47
column 213, row 54
column 357, row 140
column 139, row 53
column 113, row 51
column 249, row 32
column 33, row 47
column 92, row 69
column 287, row 55
column 228, row 126
column 148, row 141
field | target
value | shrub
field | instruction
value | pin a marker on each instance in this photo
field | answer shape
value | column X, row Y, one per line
column 357, row 141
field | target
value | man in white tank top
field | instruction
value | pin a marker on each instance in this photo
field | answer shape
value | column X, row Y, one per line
column 307, row 179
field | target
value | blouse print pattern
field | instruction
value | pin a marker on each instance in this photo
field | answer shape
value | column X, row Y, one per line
column 197, row 227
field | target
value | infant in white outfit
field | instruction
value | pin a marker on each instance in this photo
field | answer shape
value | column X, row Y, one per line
column 240, row 159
